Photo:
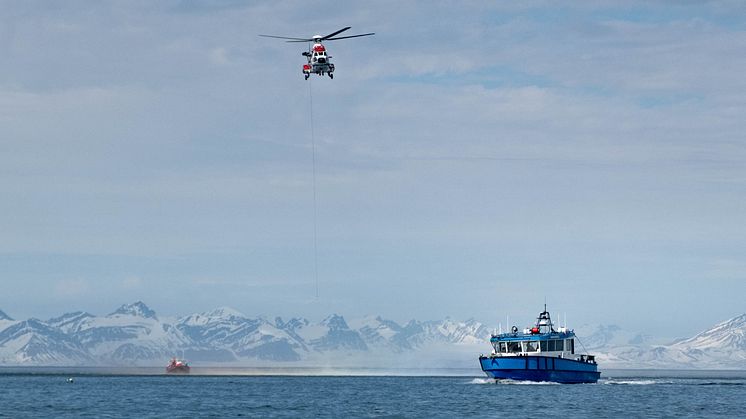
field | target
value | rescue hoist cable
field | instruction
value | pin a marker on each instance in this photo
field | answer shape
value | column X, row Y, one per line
column 315, row 223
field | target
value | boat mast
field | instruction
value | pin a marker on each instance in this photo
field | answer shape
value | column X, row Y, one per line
column 544, row 321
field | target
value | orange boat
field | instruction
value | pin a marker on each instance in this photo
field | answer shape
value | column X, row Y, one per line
column 177, row 366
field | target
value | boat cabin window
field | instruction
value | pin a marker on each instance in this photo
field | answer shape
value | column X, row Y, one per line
column 571, row 345
column 514, row 347
column 503, row 347
column 552, row 345
column 532, row 346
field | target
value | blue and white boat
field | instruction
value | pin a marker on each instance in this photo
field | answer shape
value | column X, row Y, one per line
column 540, row 353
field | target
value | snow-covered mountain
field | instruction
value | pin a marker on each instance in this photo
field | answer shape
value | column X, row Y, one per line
column 721, row 347
column 35, row 342
column 134, row 334
column 70, row 322
column 138, row 309
column 230, row 335
column 332, row 334
column 4, row 316
column 5, row 320
column 599, row 337
column 728, row 335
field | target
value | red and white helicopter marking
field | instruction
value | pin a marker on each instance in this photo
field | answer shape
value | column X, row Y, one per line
column 318, row 60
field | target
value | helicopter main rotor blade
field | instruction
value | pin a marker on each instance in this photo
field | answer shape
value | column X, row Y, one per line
column 324, row 38
column 285, row 37
column 351, row 36
column 330, row 37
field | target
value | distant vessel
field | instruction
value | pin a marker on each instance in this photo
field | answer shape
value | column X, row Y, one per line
column 539, row 353
column 177, row 366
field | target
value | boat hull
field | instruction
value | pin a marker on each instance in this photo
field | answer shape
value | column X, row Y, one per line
column 179, row 369
column 540, row 368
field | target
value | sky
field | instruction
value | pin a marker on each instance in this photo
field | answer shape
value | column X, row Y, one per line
column 472, row 160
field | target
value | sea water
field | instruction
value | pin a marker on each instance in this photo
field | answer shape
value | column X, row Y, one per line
column 43, row 393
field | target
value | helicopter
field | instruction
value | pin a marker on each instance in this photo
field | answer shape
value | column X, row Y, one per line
column 318, row 59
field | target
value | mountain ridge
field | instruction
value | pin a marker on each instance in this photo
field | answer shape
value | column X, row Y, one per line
column 134, row 335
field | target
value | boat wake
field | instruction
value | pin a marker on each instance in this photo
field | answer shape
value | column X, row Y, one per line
column 482, row 381
column 527, row 383
column 722, row 383
column 511, row 382
column 633, row 382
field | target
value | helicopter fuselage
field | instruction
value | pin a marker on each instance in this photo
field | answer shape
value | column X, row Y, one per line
column 319, row 62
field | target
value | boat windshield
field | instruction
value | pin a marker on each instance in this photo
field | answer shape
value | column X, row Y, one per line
column 532, row 346
column 514, row 347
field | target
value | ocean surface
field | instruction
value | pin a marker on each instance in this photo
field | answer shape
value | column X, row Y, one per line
column 144, row 393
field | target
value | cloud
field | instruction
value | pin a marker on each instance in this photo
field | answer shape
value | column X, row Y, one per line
column 528, row 130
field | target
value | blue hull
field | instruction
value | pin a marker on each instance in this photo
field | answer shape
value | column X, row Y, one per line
column 540, row 368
